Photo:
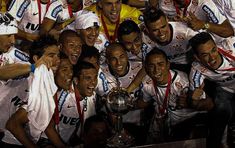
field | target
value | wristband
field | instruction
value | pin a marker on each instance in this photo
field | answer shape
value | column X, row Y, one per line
column 32, row 68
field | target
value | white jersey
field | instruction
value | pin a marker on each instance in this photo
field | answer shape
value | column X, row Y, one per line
column 227, row 8
column 106, row 82
column 179, row 85
column 204, row 10
column 178, row 50
column 13, row 55
column 59, row 12
column 224, row 76
column 68, row 112
column 141, row 55
column 27, row 13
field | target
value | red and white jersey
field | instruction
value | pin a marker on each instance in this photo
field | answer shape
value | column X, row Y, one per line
column 224, row 76
column 13, row 55
column 106, row 82
column 68, row 112
column 28, row 14
column 227, row 8
column 178, row 48
column 204, row 10
column 179, row 85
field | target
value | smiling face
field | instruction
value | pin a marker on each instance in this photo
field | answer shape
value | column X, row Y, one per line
column 117, row 60
column 89, row 35
column 6, row 42
column 132, row 42
column 64, row 74
column 208, row 55
column 72, row 47
column 87, row 81
column 53, row 52
column 111, row 9
column 160, row 30
column 157, row 68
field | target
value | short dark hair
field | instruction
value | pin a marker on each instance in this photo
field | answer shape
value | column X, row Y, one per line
column 155, row 51
column 198, row 39
column 152, row 15
column 65, row 34
column 89, row 52
column 77, row 69
column 111, row 46
column 127, row 27
column 38, row 46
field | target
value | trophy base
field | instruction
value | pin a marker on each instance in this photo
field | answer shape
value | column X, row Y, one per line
column 120, row 140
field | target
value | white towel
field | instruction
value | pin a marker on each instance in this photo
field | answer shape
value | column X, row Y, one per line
column 41, row 104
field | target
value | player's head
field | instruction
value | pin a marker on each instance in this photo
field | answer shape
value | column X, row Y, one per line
column 46, row 46
column 129, row 35
column 206, row 50
column 86, row 78
column 110, row 9
column 157, row 66
column 117, row 59
column 87, row 25
column 71, row 45
column 157, row 25
column 7, row 32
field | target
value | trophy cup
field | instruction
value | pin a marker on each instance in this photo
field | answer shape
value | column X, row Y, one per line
column 118, row 101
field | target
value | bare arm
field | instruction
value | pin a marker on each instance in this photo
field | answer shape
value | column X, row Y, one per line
column 137, row 80
column 46, row 26
column 53, row 135
column 14, row 70
column 223, row 30
column 28, row 36
column 16, row 125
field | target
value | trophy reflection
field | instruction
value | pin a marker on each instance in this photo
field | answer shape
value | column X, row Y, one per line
column 118, row 101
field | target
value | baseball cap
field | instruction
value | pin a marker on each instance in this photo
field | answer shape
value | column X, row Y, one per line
column 86, row 19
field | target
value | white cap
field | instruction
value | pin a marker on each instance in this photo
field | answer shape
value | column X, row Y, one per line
column 86, row 19
column 9, row 27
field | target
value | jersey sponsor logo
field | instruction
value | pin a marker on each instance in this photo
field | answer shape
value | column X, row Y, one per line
column 196, row 79
column 35, row 13
column 56, row 11
column 69, row 120
column 180, row 37
column 22, row 8
column 11, row 4
column 21, row 56
column 16, row 101
column 178, row 85
column 32, row 27
column 104, row 82
column 62, row 99
column 230, row 78
column 141, row 18
column 106, row 44
column 210, row 14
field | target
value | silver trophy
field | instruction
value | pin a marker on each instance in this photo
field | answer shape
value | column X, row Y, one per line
column 119, row 102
